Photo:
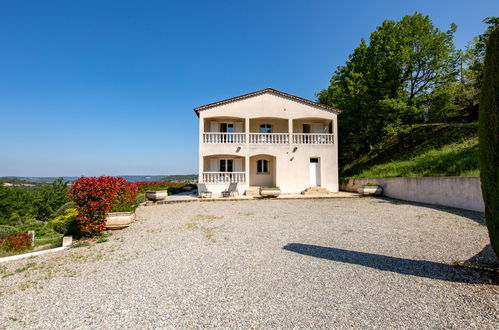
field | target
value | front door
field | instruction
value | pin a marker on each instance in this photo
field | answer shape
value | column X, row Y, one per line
column 314, row 172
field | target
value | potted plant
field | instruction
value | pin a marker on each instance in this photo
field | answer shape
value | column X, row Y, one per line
column 270, row 191
column 370, row 189
column 155, row 196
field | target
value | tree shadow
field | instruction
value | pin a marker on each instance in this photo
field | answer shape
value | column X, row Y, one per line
column 420, row 268
column 478, row 217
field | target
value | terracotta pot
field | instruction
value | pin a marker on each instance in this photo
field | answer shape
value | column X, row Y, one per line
column 119, row 220
column 270, row 192
column 156, row 195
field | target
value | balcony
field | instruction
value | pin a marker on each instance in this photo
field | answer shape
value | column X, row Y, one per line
column 268, row 138
column 237, row 138
column 224, row 177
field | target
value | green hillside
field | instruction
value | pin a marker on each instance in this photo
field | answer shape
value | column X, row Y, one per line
column 427, row 150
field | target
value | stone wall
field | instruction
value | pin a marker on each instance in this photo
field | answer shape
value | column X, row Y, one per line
column 454, row 191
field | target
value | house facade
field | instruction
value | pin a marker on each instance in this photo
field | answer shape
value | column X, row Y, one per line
column 268, row 138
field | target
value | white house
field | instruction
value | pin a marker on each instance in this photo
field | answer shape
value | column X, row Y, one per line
column 268, row 138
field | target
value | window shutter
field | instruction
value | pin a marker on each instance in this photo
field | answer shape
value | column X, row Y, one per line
column 238, row 127
column 239, row 165
column 213, row 165
column 213, row 126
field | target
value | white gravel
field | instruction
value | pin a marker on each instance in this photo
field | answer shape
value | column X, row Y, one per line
column 339, row 263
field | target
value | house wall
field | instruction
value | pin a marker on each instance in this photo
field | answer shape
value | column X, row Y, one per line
column 292, row 162
column 278, row 125
column 262, row 179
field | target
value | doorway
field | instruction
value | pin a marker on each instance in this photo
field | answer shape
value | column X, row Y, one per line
column 314, row 172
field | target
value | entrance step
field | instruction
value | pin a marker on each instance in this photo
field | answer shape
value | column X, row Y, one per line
column 315, row 191
column 252, row 191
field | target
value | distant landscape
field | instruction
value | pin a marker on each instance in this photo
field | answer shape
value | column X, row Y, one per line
column 190, row 178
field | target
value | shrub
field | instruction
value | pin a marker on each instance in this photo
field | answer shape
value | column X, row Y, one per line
column 95, row 197
column 17, row 242
column 64, row 207
column 7, row 231
column 489, row 140
column 158, row 185
column 126, row 197
column 65, row 223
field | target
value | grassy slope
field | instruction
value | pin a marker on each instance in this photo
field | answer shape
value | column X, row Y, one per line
column 428, row 150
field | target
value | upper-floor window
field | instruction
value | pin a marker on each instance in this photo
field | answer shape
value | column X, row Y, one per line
column 265, row 128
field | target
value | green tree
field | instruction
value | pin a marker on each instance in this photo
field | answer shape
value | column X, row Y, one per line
column 385, row 85
column 49, row 198
column 489, row 138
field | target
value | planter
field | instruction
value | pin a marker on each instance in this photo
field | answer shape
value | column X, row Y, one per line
column 270, row 192
column 156, row 195
column 370, row 190
column 119, row 220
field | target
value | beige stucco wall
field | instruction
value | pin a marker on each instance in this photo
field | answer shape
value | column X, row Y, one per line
column 262, row 179
column 454, row 191
column 292, row 162
column 278, row 125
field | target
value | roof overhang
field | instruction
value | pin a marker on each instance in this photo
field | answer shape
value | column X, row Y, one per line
column 265, row 91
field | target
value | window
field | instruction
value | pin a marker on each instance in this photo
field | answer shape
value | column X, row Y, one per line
column 265, row 128
column 226, row 165
column 262, row 166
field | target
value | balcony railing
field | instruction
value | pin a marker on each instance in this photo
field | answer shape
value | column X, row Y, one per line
column 268, row 138
column 313, row 138
column 224, row 177
column 224, row 138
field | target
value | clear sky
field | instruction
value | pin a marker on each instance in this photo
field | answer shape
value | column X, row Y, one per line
column 108, row 87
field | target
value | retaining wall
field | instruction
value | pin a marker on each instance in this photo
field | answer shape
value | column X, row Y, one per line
column 454, row 191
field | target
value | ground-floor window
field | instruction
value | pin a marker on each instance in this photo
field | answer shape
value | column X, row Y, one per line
column 262, row 166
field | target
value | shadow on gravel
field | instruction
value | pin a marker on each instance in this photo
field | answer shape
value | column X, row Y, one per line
column 421, row 268
column 478, row 217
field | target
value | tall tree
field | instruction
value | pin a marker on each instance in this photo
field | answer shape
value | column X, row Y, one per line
column 489, row 138
column 384, row 86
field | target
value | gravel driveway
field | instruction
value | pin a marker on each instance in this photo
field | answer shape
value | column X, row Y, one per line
column 360, row 262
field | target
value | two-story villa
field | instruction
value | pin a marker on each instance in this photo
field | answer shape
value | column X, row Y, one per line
column 268, row 138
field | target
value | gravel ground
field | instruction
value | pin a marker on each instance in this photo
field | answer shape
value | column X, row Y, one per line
column 341, row 263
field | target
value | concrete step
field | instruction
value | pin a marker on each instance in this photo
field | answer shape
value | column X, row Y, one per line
column 315, row 191
column 252, row 191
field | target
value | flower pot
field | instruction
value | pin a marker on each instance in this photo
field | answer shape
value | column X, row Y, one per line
column 370, row 190
column 156, row 195
column 270, row 192
column 119, row 220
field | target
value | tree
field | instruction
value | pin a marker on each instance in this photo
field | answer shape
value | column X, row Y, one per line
column 489, row 138
column 384, row 86
column 49, row 198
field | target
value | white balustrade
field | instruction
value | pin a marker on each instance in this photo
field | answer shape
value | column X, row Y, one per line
column 269, row 138
column 313, row 138
column 238, row 138
column 224, row 177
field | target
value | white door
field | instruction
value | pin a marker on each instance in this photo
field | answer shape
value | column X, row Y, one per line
column 314, row 172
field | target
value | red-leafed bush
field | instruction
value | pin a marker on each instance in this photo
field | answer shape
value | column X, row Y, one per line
column 95, row 197
column 17, row 242
column 158, row 185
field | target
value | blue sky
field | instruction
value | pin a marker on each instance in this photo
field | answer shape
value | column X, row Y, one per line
column 108, row 87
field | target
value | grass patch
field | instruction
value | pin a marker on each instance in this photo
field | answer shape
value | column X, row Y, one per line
column 102, row 240
column 436, row 150
column 80, row 244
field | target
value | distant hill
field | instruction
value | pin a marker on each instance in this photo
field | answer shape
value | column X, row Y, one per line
column 132, row 178
column 427, row 150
